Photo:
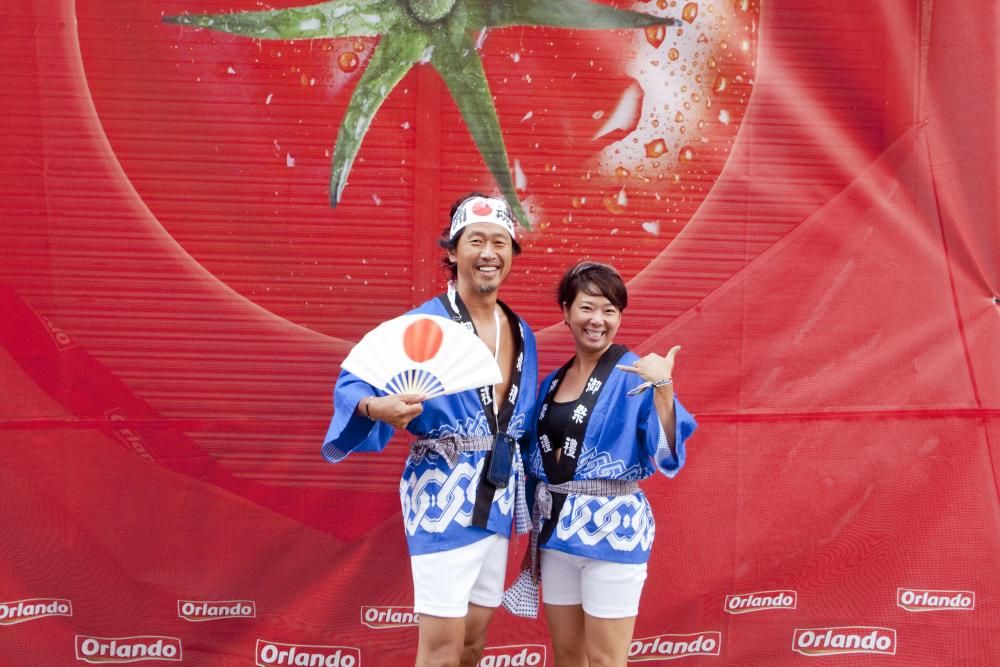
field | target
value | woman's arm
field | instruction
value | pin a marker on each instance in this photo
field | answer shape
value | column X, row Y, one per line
column 666, row 434
column 658, row 372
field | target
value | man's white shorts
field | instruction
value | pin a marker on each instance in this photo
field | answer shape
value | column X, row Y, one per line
column 605, row 589
column 444, row 583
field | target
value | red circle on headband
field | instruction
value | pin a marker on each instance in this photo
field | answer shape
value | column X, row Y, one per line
column 482, row 208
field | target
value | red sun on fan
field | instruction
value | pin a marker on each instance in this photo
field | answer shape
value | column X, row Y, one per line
column 422, row 340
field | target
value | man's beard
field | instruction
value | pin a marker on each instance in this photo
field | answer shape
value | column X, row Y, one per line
column 488, row 288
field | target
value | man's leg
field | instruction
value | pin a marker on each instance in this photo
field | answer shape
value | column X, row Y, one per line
column 477, row 621
column 453, row 590
column 439, row 642
column 484, row 598
column 441, row 585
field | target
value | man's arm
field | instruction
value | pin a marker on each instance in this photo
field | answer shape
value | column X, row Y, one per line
column 351, row 430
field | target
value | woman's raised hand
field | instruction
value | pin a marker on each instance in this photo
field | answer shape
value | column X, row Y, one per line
column 653, row 368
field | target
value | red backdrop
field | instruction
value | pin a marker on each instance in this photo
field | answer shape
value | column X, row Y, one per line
column 820, row 234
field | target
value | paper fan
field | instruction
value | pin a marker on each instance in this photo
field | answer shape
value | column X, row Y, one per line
column 423, row 354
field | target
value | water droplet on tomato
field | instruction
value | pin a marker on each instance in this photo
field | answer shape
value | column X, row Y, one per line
column 655, row 34
column 616, row 204
column 673, row 54
column 690, row 12
column 656, row 148
column 348, row 61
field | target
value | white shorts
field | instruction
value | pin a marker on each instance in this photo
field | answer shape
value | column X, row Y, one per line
column 605, row 589
column 444, row 583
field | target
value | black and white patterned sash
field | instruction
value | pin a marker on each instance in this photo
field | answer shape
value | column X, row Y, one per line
column 568, row 436
column 497, row 421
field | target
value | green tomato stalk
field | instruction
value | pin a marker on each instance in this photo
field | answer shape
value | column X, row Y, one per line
column 437, row 32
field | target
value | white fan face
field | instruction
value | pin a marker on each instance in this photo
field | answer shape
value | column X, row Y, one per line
column 423, row 354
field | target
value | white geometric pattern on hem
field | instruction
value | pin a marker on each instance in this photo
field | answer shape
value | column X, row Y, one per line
column 454, row 500
column 432, row 511
column 593, row 520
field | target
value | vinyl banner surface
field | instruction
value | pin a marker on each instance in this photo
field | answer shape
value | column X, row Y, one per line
column 206, row 204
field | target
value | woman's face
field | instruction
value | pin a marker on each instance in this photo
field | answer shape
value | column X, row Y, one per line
column 593, row 321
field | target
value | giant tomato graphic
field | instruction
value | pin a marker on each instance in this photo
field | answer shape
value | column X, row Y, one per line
column 614, row 138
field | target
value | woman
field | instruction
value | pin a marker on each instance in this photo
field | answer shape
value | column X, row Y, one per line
column 605, row 420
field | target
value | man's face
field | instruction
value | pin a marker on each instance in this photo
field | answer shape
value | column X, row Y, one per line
column 483, row 257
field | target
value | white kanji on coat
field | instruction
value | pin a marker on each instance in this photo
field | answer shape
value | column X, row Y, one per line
column 579, row 414
column 594, row 385
column 569, row 448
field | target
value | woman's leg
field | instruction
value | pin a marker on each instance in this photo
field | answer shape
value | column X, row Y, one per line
column 608, row 640
column 566, row 629
column 610, row 594
column 561, row 595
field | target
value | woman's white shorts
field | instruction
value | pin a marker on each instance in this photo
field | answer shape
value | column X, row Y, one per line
column 605, row 589
column 444, row 583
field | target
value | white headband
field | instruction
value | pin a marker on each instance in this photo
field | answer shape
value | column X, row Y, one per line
column 482, row 209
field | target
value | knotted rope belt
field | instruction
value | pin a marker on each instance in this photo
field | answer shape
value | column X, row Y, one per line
column 521, row 599
column 452, row 446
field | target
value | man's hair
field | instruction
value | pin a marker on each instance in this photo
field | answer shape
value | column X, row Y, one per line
column 594, row 279
column 449, row 244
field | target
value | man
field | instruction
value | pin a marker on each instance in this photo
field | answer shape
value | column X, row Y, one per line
column 457, row 520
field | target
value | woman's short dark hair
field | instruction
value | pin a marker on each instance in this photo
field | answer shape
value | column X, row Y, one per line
column 594, row 279
column 449, row 244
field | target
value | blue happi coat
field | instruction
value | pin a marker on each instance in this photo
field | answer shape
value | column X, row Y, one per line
column 438, row 500
column 623, row 440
